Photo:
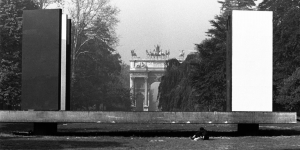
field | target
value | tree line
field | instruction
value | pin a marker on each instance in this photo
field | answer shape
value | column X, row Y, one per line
column 199, row 83
column 100, row 81
column 98, row 73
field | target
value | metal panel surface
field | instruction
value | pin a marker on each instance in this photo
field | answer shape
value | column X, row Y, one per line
column 41, row 59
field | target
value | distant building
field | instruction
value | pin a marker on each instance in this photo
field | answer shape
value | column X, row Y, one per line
column 145, row 77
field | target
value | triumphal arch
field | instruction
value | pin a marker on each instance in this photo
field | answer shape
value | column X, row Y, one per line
column 145, row 76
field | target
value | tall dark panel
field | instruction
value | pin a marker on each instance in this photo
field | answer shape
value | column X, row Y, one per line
column 69, row 58
column 41, row 59
column 229, row 65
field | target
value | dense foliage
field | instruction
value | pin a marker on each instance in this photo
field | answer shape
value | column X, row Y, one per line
column 96, row 81
column 203, row 86
column 286, row 54
column 101, row 82
column 11, row 51
column 199, row 83
column 97, row 71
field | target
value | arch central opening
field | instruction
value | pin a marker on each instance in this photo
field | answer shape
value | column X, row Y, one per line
column 153, row 101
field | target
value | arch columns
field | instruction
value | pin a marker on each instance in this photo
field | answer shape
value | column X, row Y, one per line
column 143, row 72
column 132, row 92
column 146, row 100
column 140, row 82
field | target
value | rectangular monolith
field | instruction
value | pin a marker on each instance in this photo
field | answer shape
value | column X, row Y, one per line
column 41, row 59
column 250, row 61
column 68, row 66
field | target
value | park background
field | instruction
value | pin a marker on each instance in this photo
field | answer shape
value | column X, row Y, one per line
column 102, row 40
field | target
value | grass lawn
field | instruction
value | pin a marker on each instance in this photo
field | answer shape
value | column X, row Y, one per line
column 149, row 136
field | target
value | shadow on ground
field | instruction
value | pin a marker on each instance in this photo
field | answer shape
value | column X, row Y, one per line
column 169, row 133
column 165, row 133
column 19, row 143
column 90, row 130
column 10, row 127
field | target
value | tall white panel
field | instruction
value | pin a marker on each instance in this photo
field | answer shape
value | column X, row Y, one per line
column 252, row 53
column 63, row 61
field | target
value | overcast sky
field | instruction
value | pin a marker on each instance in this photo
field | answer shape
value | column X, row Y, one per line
column 173, row 24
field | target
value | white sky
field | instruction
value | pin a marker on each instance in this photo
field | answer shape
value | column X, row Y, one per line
column 173, row 24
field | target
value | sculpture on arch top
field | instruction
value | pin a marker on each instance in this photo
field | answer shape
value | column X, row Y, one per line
column 162, row 54
column 157, row 52
column 167, row 53
column 150, row 54
column 133, row 54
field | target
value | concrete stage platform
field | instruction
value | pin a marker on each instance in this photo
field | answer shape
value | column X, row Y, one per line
column 148, row 117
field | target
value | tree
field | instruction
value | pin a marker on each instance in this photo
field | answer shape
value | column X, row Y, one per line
column 169, row 81
column 286, row 36
column 93, row 20
column 11, row 51
column 199, row 83
column 43, row 4
column 96, row 64
column 96, row 80
column 125, row 75
column 209, row 77
column 289, row 94
column 229, row 5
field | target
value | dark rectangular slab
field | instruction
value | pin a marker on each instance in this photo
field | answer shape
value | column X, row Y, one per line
column 41, row 59
column 229, row 65
column 69, row 64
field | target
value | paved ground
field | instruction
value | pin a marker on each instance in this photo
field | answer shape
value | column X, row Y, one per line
column 143, row 136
